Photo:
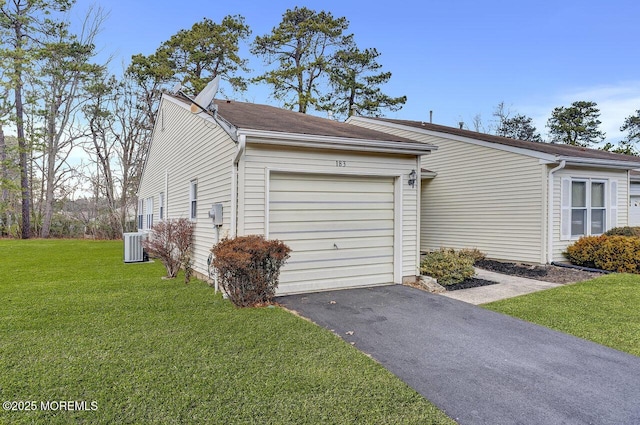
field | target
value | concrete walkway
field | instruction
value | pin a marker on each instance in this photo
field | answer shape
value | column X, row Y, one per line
column 507, row 287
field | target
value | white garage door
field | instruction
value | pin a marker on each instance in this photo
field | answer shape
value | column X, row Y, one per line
column 634, row 211
column 340, row 230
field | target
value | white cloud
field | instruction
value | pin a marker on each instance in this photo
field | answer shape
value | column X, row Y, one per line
column 616, row 102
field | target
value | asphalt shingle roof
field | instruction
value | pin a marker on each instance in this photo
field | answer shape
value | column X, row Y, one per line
column 252, row 116
column 548, row 148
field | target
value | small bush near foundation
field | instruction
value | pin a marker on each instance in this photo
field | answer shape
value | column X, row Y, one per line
column 474, row 253
column 249, row 268
column 171, row 241
column 619, row 254
column 583, row 251
column 624, row 231
column 447, row 266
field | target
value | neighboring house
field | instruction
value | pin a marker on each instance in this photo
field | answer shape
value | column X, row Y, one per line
column 634, row 199
column 344, row 198
column 514, row 200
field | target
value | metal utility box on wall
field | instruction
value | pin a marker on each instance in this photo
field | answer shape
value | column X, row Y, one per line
column 216, row 214
column 133, row 251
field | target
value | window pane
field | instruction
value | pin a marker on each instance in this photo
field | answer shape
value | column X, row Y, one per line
column 578, row 222
column 597, row 195
column 597, row 221
column 578, row 194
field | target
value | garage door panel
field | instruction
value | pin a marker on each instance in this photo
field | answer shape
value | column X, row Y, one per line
column 338, row 273
column 337, row 184
column 326, row 216
column 340, row 229
column 329, row 206
column 322, row 228
column 284, row 198
column 342, row 243
column 322, row 256
column 330, row 234
column 331, row 283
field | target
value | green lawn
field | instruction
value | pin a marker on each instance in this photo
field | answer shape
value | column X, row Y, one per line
column 605, row 310
column 77, row 324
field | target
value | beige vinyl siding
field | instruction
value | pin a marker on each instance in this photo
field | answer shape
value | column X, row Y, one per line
column 559, row 246
column 186, row 147
column 482, row 198
column 258, row 160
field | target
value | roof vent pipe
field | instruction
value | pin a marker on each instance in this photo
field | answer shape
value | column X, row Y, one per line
column 430, row 117
column 461, row 124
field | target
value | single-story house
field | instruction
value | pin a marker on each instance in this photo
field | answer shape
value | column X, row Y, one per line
column 514, row 200
column 344, row 198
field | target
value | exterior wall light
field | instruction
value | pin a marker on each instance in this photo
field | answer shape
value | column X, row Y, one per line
column 412, row 178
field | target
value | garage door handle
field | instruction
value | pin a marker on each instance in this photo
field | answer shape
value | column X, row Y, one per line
column 335, row 246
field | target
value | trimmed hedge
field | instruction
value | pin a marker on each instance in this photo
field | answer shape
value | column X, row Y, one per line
column 612, row 253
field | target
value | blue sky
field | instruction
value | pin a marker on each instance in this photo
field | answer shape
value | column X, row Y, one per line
column 458, row 58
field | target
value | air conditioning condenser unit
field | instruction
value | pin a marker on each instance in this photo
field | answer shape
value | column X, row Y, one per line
column 133, row 251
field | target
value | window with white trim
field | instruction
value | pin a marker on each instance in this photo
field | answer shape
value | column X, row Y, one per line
column 193, row 199
column 149, row 211
column 588, row 206
column 140, row 214
column 161, row 206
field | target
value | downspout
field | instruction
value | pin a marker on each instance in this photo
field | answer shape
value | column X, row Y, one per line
column 550, row 190
column 242, row 143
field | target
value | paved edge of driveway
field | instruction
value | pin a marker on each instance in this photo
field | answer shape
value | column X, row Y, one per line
column 479, row 366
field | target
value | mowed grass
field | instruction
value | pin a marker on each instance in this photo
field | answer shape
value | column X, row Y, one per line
column 605, row 310
column 77, row 324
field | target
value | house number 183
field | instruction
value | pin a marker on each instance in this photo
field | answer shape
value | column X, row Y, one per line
column 341, row 163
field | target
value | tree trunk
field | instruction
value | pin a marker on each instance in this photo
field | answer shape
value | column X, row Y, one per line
column 4, row 175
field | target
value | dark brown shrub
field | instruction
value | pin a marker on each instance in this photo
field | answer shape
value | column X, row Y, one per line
column 624, row 231
column 249, row 268
column 619, row 254
column 583, row 251
column 171, row 241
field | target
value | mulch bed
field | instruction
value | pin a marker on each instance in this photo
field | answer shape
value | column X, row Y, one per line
column 547, row 273
column 474, row 282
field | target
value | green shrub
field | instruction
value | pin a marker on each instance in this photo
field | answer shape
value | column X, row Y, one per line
column 583, row 251
column 619, row 254
column 447, row 266
column 624, row 231
column 249, row 267
column 474, row 253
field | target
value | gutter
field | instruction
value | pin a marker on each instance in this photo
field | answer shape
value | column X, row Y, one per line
column 550, row 189
column 242, row 144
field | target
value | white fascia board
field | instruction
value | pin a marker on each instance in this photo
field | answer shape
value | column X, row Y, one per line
column 339, row 143
column 600, row 163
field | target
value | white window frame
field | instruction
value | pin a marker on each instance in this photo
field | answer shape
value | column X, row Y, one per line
column 161, row 206
column 609, row 208
column 140, row 214
column 149, row 211
column 193, row 199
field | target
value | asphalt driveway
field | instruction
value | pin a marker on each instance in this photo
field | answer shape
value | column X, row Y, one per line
column 479, row 366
